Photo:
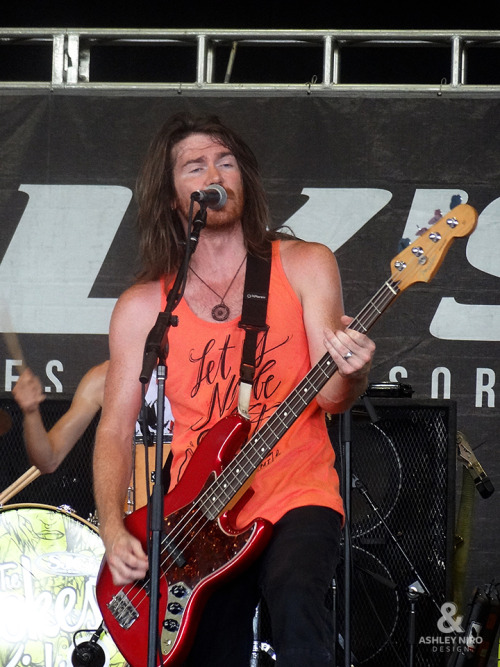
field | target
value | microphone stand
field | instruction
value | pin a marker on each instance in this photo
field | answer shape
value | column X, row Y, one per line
column 156, row 351
column 346, row 439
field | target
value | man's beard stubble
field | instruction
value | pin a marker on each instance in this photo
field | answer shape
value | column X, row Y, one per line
column 224, row 219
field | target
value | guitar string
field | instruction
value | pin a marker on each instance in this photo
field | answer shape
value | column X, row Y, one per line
column 210, row 491
column 180, row 528
column 239, row 463
column 287, row 401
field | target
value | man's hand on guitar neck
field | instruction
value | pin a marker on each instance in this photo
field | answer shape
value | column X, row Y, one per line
column 352, row 352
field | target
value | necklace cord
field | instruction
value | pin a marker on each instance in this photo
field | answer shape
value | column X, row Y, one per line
column 220, row 312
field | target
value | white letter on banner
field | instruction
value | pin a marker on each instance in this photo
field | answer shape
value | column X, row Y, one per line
column 458, row 321
column 397, row 373
column 333, row 215
column 485, row 381
column 10, row 377
column 441, row 373
column 49, row 369
column 55, row 255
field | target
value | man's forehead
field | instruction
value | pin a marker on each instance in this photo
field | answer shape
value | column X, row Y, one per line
column 198, row 147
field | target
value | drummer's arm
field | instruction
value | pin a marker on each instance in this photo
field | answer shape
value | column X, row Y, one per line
column 46, row 450
column 86, row 403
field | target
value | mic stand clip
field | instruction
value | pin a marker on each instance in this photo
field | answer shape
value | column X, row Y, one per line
column 413, row 593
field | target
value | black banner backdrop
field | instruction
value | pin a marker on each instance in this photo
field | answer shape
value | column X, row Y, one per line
column 356, row 173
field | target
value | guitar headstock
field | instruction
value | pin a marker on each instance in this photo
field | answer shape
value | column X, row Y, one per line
column 420, row 261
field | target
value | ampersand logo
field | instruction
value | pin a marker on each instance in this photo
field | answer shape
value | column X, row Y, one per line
column 448, row 623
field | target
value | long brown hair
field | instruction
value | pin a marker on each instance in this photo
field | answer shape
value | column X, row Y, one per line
column 162, row 236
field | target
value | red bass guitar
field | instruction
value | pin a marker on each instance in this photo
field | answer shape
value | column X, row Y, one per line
column 201, row 548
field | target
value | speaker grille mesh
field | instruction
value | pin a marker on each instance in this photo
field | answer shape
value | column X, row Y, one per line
column 405, row 461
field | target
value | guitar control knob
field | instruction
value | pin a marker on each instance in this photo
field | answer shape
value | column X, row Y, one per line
column 170, row 625
column 175, row 608
column 179, row 591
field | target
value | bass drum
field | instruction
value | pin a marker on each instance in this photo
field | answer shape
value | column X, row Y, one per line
column 141, row 483
column 49, row 561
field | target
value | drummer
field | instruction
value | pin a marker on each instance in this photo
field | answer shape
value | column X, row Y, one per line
column 47, row 449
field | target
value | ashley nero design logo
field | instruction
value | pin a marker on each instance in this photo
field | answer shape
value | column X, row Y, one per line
column 452, row 637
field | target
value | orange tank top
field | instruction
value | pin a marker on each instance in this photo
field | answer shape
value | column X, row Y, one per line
column 202, row 387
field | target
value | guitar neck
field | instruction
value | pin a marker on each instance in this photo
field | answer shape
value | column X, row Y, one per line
column 244, row 464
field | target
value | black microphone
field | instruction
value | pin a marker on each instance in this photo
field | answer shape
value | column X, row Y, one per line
column 214, row 196
column 88, row 654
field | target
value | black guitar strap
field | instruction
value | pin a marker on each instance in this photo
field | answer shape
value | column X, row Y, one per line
column 253, row 321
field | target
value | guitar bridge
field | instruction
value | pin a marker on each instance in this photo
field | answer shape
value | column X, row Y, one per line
column 123, row 610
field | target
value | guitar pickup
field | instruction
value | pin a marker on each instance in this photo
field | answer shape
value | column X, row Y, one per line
column 175, row 553
column 123, row 610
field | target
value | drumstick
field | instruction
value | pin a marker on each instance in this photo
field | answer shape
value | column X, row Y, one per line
column 10, row 337
column 14, row 348
column 15, row 351
column 12, row 342
column 20, row 483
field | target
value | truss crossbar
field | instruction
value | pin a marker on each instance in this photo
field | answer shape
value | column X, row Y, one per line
column 195, row 60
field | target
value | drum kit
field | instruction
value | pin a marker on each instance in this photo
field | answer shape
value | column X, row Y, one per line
column 49, row 562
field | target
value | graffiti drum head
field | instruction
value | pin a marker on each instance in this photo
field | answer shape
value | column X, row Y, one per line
column 49, row 561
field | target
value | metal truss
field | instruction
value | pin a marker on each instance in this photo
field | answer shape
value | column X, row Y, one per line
column 266, row 61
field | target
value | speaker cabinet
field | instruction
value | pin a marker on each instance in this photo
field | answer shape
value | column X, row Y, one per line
column 69, row 485
column 403, row 460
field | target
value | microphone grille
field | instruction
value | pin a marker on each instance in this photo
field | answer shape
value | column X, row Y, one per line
column 223, row 196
